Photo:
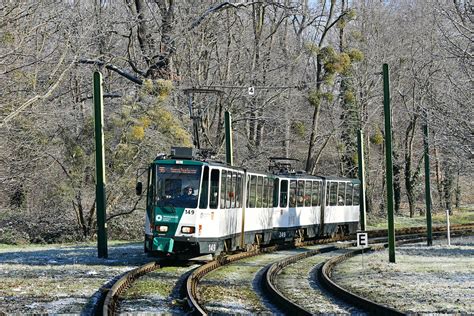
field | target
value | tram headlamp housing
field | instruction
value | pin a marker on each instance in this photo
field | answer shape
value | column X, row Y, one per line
column 188, row 229
column 162, row 228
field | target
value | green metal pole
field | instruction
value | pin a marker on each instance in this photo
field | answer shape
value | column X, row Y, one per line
column 361, row 171
column 228, row 139
column 427, row 184
column 389, row 163
column 100, row 167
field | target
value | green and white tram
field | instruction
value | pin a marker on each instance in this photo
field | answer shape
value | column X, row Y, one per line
column 203, row 207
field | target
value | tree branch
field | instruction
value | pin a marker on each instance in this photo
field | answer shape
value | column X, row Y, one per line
column 121, row 72
column 225, row 5
column 134, row 208
column 37, row 97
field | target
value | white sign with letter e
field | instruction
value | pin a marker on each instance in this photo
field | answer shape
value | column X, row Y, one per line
column 362, row 240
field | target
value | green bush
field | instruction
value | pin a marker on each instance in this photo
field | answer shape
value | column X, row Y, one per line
column 12, row 236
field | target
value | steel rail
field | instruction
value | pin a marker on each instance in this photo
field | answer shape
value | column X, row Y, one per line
column 192, row 282
column 419, row 230
column 325, row 273
column 110, row 302
column 324, row 277
column 194, row 278
column 270, row 275
column 288, row 306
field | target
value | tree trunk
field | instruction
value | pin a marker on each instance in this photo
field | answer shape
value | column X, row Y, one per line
column 439, row 183
column 411, row 204
column 349, row 115
column 410, row 179
column 397, row 186
column 368, row 179
column 317, row 107
column 458, row 192
column 448, row 186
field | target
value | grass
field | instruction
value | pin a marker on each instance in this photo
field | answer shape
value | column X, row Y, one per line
column 462, row 215
column 425, row 279
column 77, row 244
column 149, row 286
column 245, row 296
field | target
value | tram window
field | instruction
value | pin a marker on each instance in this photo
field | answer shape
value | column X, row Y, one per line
column 356, row 199
column 328, row 184
column 341, row 193
column 238, row 190
column 232, row 193
column 292, row 193
column 150, row 190
column 300, row 194
column 333, row 193
column 283, row 193
column 229, row 190
column 253, row 191
column 275, row 193
column 247, row 195
column 265, row 192
column 270, row 193
column 320, row 193
column 203, row 199
column 349, row 193
column 223, row 183
column 259, row 191
column 315, row 195
column 214, row 196
column 307, row 193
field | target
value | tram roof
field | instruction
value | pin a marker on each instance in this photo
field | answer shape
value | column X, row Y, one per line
column 291, row 175
column 330, row 178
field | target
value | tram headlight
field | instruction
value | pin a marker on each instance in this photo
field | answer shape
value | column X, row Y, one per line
column 162, row 228
column 188, row 229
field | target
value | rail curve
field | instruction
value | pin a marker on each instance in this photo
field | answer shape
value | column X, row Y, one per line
column 271, row 273
column 110, row 302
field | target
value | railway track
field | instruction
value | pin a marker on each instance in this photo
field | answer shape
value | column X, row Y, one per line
column 298, row 297
column 193, row 295
column 325, row 271
column 190, row 286
column 110, row 300
column 194, row 279
column 323, row 275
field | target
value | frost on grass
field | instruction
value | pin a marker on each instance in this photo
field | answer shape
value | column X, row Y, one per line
column 299, row 283
column 59, row 279
column 234, row 289
column 435, row 279
column 156, row 292
column 229, row 288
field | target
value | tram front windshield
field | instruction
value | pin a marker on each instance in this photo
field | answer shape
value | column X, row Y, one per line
column 177, row 186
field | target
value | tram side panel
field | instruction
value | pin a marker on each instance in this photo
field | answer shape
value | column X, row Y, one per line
column 220, row 224
column 309, row 206
column 259, row 209
column 281, row 213
column 341, row 210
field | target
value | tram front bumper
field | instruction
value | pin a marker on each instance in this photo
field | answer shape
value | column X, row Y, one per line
column 163, row 244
